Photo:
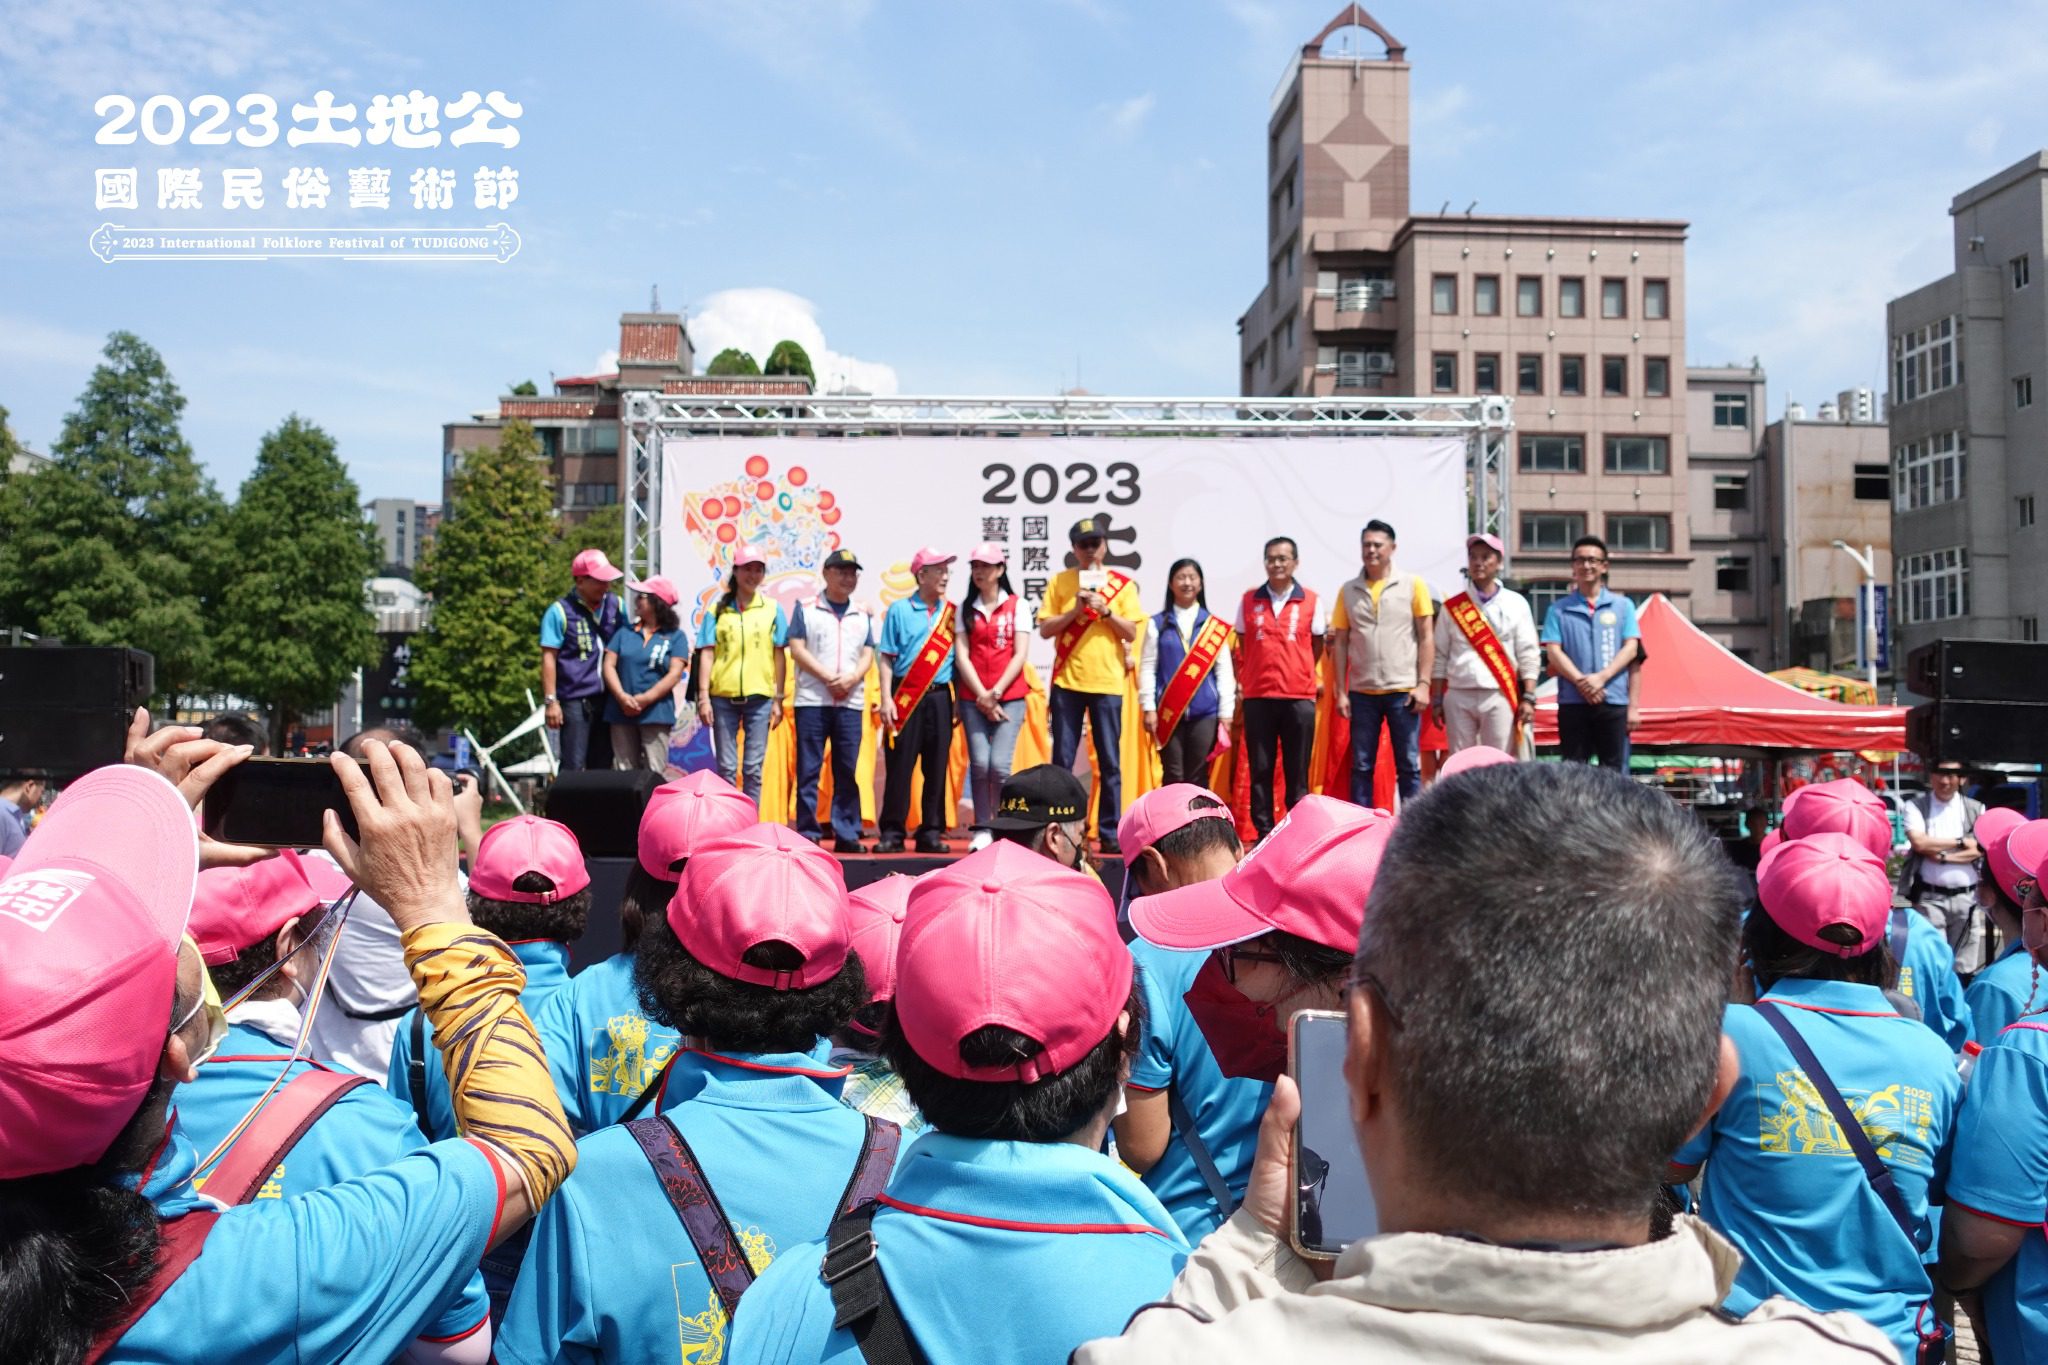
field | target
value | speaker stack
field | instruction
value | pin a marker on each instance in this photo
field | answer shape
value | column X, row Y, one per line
column 1990, row 701
column 65, row 710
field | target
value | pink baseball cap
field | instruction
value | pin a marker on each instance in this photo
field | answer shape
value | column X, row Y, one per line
column 526, row 843
column 1309, row 878
column 1993, row 828
column 1490, row 542
column 326, row 877
column 694, row 809
column 1477, row 756
column 660, row 586
column 764, row 884
column 1772, row 838
column 877, row 912
column 238, row 907
column 1008, row 937
column 1806, row 885
column 749, row 553
column 1843, row 806
column 595, row 564
column 1160, row 812
column 988, row 552
column 928, row 556
column 2027, row 846
column 91, row 913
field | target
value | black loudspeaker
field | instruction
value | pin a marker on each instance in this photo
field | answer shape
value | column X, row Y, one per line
column 601, row 935
column 602, row 809
column 1979, row 731
column 1980, row 670
column 66, row 710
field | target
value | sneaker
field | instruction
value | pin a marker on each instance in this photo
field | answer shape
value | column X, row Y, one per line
column 981, row 840
column 930, row 843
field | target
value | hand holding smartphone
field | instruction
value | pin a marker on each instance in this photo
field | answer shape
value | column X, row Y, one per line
column 275, row 803
column 1332, row 1205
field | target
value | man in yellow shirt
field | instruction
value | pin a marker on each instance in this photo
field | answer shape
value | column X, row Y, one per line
column 1091, row 612
column 1381, row 629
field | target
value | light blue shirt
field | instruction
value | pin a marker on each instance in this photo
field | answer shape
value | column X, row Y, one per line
column 904, row 627
column 1226, row 1109
column 1928, row 978
column 352, row 1272
column 13, row 829
column 602, row 1048
column 2001, row 1171
column 994, row 1251
column 547, row 969
column 641, row 664
column 1782, row 1183
column 611, row 1275
column 1999, row 994
column 1592, row 633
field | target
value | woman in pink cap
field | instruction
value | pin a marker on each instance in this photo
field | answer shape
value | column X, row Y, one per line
column 742, row 670
column 988, row 658
column 643, row 666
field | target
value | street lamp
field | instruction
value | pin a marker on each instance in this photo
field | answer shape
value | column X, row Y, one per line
column 1867, row 561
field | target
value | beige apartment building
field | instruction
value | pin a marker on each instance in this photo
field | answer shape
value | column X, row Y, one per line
column 1729, row 499
column 1581, row 320
column 1828, row 476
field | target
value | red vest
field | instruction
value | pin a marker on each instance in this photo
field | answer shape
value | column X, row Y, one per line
column 1276, row 652
column 991, row 641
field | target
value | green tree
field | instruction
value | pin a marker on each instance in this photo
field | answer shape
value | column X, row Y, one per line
column 116, row 542
column 9, row 446
column 732, row 360
column 526, row 388
column 604, row 529
column 292, row 626
column 790, row 358
column 491, row 571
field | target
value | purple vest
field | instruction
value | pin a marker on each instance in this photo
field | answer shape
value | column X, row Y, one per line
column 579, row 664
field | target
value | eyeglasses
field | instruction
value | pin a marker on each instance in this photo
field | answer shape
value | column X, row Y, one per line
column 1589, row 559
column 209, row 1001
column 1228, row 957
column 1367, row 981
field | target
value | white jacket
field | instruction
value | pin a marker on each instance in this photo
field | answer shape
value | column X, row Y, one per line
column 1459, row 665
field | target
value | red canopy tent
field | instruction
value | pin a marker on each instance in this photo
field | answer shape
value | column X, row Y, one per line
column 1697, row 697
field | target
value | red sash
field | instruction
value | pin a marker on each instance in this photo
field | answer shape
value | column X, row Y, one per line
column 1202, row 653
column 936, row 649
column 1478, row 632
column 1114, row 583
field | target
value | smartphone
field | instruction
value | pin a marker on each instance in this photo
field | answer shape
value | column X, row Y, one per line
column 1333, row 1203
column 275, row 803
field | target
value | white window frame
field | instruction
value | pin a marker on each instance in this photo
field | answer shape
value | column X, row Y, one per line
column 1930, row 471
column 1728, row 407
column 1927, row 359
column 1934, row 585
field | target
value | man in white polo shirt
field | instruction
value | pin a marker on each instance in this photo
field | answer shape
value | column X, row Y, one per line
column 832, row 640
column 1483, row 684
column 1942, row 877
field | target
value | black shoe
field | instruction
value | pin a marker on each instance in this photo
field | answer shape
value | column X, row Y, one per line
column 931, row 843
column 890, row 843
column 848, row 846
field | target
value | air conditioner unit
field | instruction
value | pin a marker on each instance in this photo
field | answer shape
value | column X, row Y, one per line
column 1379, row 362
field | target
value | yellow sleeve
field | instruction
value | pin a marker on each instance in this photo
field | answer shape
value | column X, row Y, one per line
column 1423, row 605
column 1127, row 604
column 1340, row 619
column 1060, row 594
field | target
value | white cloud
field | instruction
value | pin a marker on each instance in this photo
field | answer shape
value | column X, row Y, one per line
column 755, row 319
column 1441, row 121
column 1126, row 117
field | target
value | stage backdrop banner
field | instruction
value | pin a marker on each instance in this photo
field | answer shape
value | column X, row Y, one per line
column 1214, row 499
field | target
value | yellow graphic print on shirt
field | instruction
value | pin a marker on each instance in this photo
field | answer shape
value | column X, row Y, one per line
column 1796, row 1122
column 702, row 1335
column 628, row 1067
column 273, row 1188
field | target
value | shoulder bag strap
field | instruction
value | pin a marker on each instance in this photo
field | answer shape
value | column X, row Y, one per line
column 1874, row 1170
column 861, row 1301
column 416, row 1072
column 178, row 1245
column 1184, row 1125
column 1899, row 932
column 696, row 1208
column 651, row 1089
column 275, row 1131
column 871, row 1172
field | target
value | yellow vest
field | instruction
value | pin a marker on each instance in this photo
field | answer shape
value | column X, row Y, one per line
column 743, row 649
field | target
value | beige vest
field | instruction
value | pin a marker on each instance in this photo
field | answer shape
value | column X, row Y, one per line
column 1381, row 642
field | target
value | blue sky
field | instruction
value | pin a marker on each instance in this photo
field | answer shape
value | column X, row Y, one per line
column 973, row 198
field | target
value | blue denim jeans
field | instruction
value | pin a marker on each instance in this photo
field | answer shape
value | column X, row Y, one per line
column 1105, row 712
column 1367, row 711
column 990, row 747
column 728, row 716
column 582, row 727
column 816, row 727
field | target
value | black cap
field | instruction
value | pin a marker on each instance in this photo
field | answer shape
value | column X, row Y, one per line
column 1044, row 795
column 841, row 559
column 1086, row 527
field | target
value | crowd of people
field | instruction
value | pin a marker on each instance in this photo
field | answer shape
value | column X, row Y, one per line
column 350, row 1103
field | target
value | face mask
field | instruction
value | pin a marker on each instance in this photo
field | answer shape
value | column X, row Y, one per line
column 1243, row 1033
column 209, row 1001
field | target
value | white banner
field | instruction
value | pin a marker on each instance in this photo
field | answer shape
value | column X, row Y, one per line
column 1213, row 499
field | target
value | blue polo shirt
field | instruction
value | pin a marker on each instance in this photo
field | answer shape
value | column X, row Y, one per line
column 362, row 1131
column 994, row 1251
column 547, row 969
column 602, row 1048
column 904, row 627
column 1781, row 1182
column 1999, row 994
column 352, row 1272
column 1226, row 1109
column 641, row 664
column 2001, row 1171
column 1927, row 977
column 1592, row 633
column 611, row 1275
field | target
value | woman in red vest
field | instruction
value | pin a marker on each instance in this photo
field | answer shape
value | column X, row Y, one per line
column 988, row 665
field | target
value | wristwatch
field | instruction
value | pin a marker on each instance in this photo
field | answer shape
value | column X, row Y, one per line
column 1961, row 841
column 550, row 699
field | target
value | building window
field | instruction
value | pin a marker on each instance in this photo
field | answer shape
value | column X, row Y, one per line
column 1363, row 369
column 1528, row 374
column 2030, row 629
column 1552, row 531
column 1614, row 376
column 1873, row 483
column 1553, row 454
column 1529, row 297
column 1571, row 375
column 1656, row 376
column 1571, row 297
column 1928, row 472
column 1613, row 298
column 1486, row 295
column 2025, row 504
column 1934, row 586
column 1638, row 455
column 1639, row 533
column 589, row 494
column 1731, row 410
column 1545, row 593
column 1443, row 372
column 2022, row 267
column 1924, row 360
column 1443, row 294
column 1657, row 299
column 1486, row 373
column 1731, row 573
column 1731, row 492
column 2023, row 391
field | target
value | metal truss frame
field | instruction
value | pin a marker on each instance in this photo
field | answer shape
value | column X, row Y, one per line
column 1485, row 424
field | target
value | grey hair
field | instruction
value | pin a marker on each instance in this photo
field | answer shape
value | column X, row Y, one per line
column 1558, row 944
